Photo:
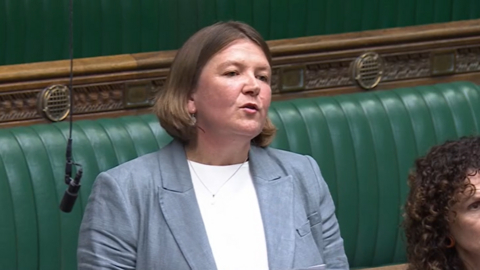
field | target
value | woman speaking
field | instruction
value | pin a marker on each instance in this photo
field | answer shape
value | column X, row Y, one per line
column 216, row 197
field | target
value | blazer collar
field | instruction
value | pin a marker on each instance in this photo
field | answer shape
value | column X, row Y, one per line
column 176, row 176
column 180, row 208
column 174, row 168
column 262, row 165
column 275, row 192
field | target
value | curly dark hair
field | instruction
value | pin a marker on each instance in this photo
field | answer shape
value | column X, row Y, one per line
column 437, row 177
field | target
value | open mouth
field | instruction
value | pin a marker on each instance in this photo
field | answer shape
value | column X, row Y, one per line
column 250, row 106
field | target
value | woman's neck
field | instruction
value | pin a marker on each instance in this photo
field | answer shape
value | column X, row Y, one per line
column 471, row 261
column 216, row 152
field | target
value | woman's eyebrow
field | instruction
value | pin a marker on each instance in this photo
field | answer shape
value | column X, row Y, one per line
column 240, row 64
column 229, row 63
column 469, row 197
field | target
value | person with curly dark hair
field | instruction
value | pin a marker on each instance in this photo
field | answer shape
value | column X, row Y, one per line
column 442, row 212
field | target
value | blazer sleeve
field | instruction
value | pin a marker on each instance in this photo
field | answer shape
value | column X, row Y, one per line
column 106, row 239
column 334, row 252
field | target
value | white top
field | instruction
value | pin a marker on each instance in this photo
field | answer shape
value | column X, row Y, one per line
column 232, row 217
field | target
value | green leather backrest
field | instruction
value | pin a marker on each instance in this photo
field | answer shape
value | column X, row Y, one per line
column 34, row 234
column 33, row 31
column 364, row 143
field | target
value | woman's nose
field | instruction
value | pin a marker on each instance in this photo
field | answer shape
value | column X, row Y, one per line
column 251, row 86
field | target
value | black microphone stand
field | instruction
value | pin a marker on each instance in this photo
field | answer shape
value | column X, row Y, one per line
column 71, row 193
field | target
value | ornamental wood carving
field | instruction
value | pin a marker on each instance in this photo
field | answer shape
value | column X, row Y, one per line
column 303, row 67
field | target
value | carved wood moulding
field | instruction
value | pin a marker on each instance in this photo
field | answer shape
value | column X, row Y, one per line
column 468, row 59
column 19, row 106
column 303, row 67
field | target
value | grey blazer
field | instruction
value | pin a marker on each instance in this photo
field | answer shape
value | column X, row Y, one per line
column 144, row 214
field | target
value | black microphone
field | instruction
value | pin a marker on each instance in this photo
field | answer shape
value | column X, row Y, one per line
column 71, row 193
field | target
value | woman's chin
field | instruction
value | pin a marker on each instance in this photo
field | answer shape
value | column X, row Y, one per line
column 252, row 132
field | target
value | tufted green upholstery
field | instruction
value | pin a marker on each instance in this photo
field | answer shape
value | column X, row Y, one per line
column 34, row 31
column 365, row 144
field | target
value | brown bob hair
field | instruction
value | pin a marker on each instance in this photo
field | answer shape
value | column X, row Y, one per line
column 170, row 105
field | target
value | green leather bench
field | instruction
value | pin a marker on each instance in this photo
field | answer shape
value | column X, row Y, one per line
column 365, row 144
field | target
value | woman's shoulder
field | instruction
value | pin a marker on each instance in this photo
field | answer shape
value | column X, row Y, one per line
column 289, row 162
column 303, row 168
column 288, row 157
column 144, row 165
column 280, row 152
column 136, row 173
column 140, row 164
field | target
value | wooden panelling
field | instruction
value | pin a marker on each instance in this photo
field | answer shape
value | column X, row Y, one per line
column 303, row 67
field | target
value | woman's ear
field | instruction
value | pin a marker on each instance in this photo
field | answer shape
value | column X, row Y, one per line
column 191, row 108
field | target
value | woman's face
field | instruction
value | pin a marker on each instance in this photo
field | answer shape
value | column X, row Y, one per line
column 465, row 226
column 233, row 94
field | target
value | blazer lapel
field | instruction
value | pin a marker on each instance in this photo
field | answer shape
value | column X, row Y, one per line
column 275, row 193
column 180, row 208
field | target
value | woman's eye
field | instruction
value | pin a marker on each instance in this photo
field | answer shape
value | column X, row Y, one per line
column 474, row 206
column 230, row 73
column 263, row 78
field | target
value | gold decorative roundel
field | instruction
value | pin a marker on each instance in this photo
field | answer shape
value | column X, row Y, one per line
column 368, row 70
column 54, row 102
